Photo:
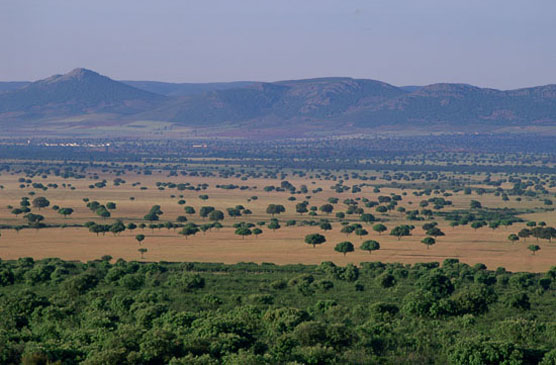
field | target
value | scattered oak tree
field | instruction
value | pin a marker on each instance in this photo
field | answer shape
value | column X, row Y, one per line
column 533, row 248
column 189, row 230
column 142, row 251
column 257, row 231
column 370, row 245
column 273, row 209
column 216, row 215
column 344, row 247
column 428, row 241
column 361, row 232
column 379, row 228
column 40, row 202
column 243, row 231
column 315, row 239
column 401, row 231
column 140, row 238
column 513, row 237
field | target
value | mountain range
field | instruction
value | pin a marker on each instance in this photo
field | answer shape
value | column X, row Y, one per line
column 335, row 104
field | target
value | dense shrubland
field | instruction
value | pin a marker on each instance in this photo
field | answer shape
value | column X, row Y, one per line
column 198, row 313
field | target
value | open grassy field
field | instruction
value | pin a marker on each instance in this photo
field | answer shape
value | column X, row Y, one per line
column 285, row 245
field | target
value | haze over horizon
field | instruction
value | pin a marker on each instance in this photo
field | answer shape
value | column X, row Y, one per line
column 497, row 44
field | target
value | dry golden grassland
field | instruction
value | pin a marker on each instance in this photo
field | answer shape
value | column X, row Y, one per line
column 283, row 246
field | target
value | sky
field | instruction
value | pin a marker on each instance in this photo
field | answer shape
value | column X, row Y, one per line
column 490, row 43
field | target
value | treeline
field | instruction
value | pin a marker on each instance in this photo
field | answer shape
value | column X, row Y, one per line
column 485, row 153
column 105, row 312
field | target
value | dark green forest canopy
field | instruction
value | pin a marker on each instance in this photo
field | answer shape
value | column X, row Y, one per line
column 99, row 312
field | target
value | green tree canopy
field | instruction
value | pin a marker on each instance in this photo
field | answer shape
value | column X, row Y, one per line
column 315, row 239
column 370, row 245
column 344, row 247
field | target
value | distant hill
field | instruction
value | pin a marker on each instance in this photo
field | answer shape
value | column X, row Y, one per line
column 365, row 104
column 78, row 92
column 325, row 105
column 279, row 102
column 12, row 85
column 184, row 89
column 461, row 105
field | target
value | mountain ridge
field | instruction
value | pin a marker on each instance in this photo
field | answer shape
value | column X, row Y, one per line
column 329, row 103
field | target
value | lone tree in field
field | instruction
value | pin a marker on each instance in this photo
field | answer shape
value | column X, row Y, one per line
column 40, row 202
column 401, row 231
column 370, row 245
column 325, row 226
column 428, row 241
column 65, row 211
column 140, row 238
column 379, row 228
column 344, row 247
column 142, row 251
column 315, row 239
column 257, row 232
column 275, row 209
column 243, row 231
column 533, row 248
column 326, row 208
column 513, row 237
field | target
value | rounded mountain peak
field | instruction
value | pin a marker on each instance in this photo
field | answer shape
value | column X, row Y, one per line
column 80, row 73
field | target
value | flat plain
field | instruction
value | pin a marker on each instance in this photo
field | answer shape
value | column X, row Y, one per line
column 283, row 246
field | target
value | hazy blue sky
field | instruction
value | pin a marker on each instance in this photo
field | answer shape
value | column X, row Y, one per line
column 496, row 43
